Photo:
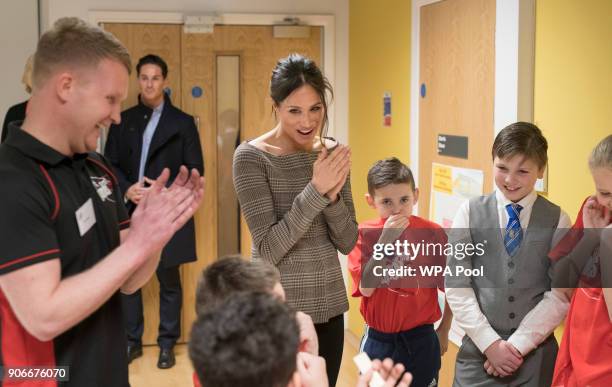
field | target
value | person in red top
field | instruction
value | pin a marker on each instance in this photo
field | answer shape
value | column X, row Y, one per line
column 583, row 261
column 399, row 314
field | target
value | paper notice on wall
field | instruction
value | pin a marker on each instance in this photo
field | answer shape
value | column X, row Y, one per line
column 451, row 186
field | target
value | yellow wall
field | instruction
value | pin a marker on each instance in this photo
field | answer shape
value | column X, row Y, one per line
column 379, row 61
column 573, row 96
column 573, row 91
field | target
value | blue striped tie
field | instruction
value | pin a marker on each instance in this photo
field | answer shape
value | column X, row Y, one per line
column 514, row 233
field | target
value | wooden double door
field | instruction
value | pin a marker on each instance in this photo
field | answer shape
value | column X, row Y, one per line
column 197, row 83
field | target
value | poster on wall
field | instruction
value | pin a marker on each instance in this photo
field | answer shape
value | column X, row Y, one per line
column 451, row 186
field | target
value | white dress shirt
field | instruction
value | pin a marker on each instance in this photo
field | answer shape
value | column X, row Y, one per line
column 147, row 137
column 539, row 323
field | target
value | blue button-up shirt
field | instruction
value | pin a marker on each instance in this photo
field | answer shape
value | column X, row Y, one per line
column 147, row 136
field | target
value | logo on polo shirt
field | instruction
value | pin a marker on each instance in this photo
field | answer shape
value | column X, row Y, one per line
column 104, row 187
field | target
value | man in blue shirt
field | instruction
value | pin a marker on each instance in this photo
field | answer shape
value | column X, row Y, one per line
column 154, row 135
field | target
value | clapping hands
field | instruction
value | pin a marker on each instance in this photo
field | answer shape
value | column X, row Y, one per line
column 330, row 171
column 163, row 211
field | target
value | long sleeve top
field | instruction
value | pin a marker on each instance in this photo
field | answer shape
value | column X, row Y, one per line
column 296, row 228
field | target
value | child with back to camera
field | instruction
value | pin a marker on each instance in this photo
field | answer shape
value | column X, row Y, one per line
column 252, row 339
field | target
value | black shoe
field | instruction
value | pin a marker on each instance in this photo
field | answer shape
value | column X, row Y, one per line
column 166, row 358
column 133, row 351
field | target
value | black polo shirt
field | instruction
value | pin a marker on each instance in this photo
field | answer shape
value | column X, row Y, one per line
column 41, row 191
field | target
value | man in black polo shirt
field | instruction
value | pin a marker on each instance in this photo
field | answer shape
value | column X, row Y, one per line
column 66, row 249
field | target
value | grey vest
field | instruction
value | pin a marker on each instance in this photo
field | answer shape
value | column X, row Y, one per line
column 510, row 286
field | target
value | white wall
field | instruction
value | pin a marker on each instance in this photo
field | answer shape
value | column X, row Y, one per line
column 19, row 29
column 53, row 9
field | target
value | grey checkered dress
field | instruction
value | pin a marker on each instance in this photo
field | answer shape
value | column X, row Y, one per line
column 296, row 228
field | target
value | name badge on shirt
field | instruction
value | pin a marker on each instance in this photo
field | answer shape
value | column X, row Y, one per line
column 85, row 216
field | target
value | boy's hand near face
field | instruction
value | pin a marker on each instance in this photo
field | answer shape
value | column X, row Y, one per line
column 394, row 227
column 595, row 216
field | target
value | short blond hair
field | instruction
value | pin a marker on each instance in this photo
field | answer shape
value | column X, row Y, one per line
column 73, row 42
column 601, row 156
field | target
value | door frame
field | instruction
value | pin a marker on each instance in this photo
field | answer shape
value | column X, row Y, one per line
column 514, row 78
column 514, row 68
column 327, row 22
column 338, row 123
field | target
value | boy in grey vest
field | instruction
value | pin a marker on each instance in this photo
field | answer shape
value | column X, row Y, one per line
column 510, row 311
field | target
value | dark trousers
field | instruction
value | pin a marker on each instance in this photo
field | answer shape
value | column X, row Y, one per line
column 418, row 349
column 331, row 345
column 170, row 301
